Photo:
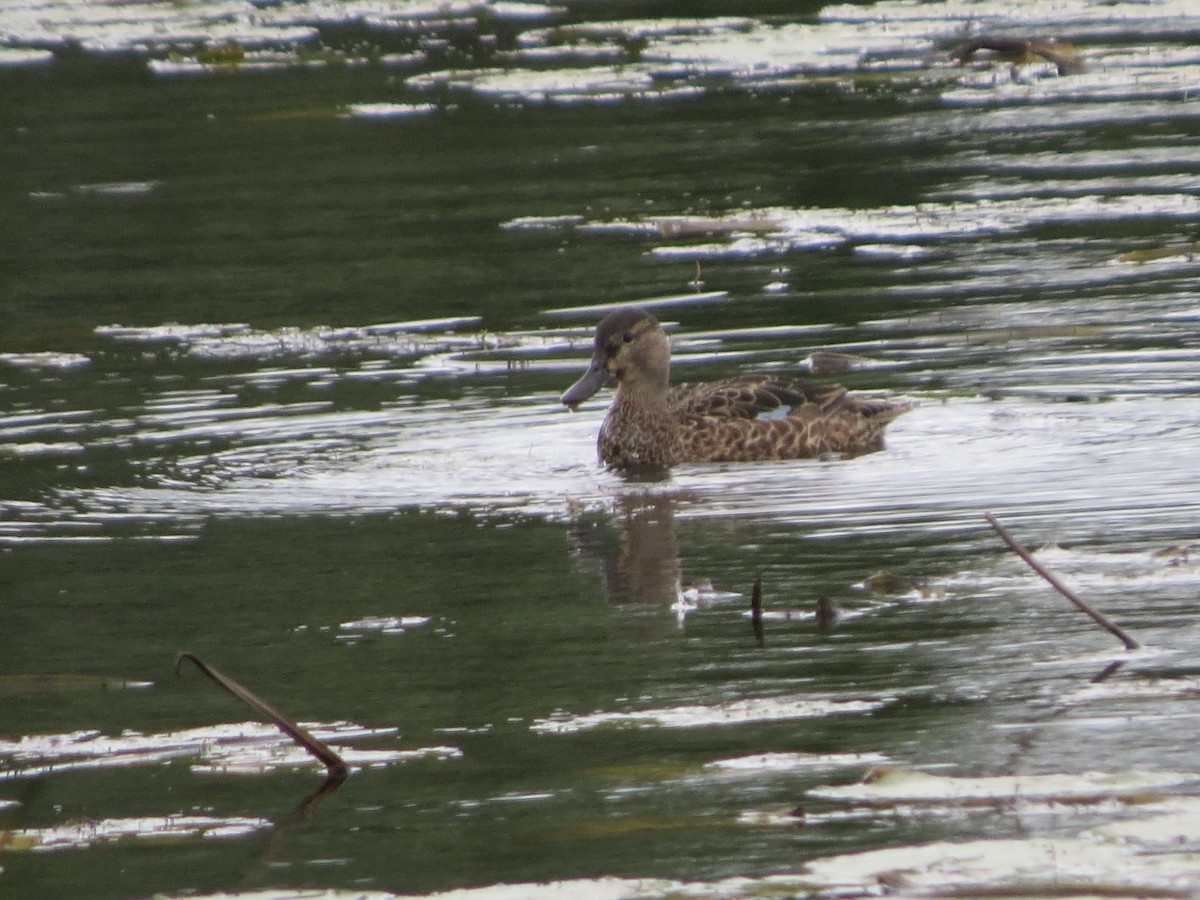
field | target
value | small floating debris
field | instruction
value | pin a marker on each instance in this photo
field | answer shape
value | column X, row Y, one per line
column 386, row 624
column 825, row 614
column 541, row 223
column 737, row 223
column 827, row 362
column 891, row 584
column 118, row 188
column 1184, row 252
column 892, row 252
column 1020, row 52
column 702, row 591
column 1174, row 555
column 389, row 110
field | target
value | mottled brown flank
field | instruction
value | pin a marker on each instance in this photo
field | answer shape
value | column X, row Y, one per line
column 709, row 424
column 651, row 424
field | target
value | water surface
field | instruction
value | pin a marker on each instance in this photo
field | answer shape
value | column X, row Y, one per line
column 291, row 291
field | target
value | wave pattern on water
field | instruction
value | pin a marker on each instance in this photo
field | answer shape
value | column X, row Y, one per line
column 230, row 447
column 1030, row 281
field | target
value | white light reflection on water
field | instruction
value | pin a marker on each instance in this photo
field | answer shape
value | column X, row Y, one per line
column 1025, row 454
column 246, row 748
column 241, row 421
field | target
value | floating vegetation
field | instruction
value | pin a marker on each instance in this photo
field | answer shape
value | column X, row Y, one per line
column 773, row 231
column 1181, row 252
column 737, row 712
column 889, row 786
column 237, row 341
column 231, row 58
column 44, row 360
column 891, row 584
column 985, row 275
column 604, row 888
column 763, row 763
column 239, row 748
column 159, row 829
column 1033, row 868
column 885, row 47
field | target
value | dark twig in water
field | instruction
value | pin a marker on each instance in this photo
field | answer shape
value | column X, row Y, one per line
column 1097, row 616
column 827, row 615
column 334, row 764
column 756, row 610
column 1108, row 671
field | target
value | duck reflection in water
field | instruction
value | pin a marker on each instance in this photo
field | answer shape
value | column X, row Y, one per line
column 642, row 566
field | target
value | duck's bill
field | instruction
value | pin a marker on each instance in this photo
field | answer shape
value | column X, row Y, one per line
column 593, row 379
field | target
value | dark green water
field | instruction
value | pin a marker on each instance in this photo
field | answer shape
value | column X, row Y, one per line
column 247, row 494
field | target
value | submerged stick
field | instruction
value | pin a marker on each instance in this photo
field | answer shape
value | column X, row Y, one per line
column 756, row 610
column 334, row 764
column 827, row 615
column 1097, row 616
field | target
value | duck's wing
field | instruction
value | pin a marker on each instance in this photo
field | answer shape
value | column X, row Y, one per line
column 754, row 397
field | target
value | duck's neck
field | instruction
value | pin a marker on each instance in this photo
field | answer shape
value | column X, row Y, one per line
column 643, row 400
column 637, row 429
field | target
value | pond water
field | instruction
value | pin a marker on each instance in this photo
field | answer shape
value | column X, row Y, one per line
column 290, row 293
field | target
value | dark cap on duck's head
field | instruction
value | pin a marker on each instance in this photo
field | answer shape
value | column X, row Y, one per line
column 621, row 325
column 619, row 328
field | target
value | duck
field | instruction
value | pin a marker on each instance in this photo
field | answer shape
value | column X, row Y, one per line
column 743, row 419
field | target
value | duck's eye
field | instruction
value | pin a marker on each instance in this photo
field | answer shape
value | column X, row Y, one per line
column 627, row 337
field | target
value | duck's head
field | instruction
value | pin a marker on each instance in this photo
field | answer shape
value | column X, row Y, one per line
column 631, row 351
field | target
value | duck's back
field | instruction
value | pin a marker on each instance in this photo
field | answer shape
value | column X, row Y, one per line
column 759, row 417
column 752, row 397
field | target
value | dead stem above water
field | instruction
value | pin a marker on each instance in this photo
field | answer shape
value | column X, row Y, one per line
column 334, row 764
column 1097, row 616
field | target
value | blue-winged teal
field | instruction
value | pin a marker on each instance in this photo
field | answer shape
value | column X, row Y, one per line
column 753, row 417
